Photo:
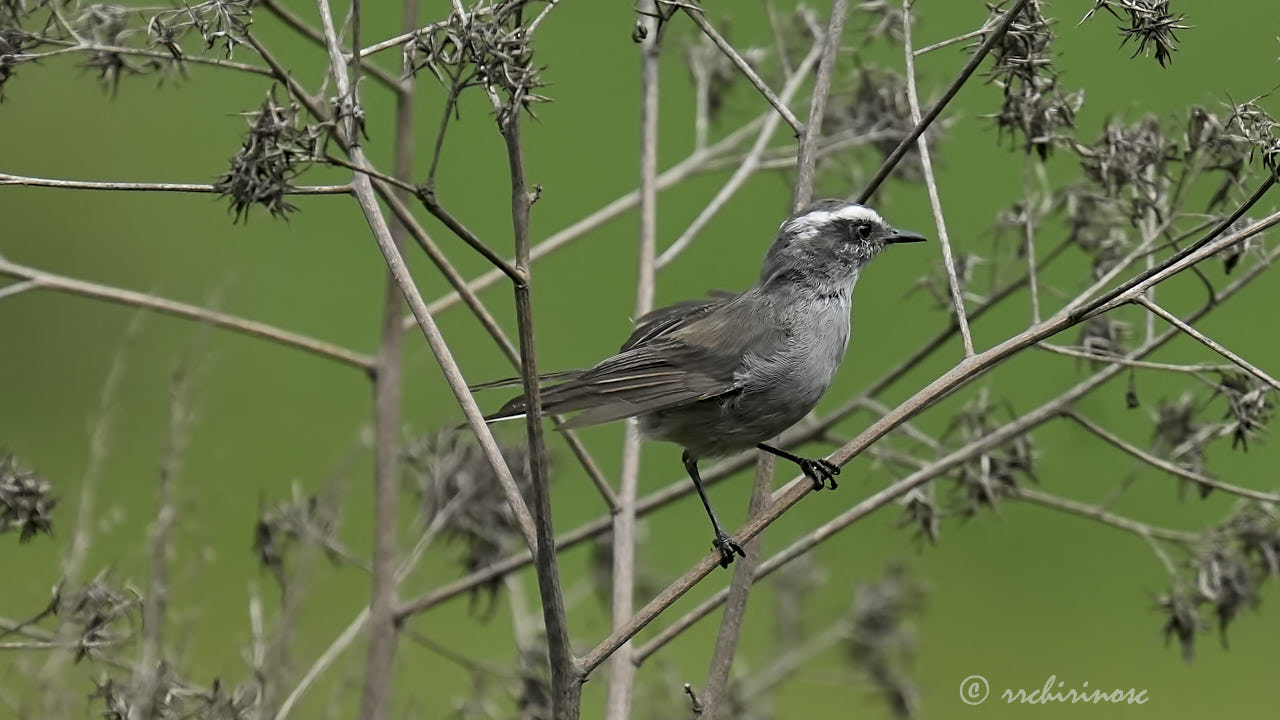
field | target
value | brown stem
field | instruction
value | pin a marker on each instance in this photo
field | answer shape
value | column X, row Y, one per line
column 566, row 686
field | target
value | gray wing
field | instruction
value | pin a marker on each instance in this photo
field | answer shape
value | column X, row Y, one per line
column 673, row 317
column 673, row 363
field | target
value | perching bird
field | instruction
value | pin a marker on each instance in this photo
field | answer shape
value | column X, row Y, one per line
column 729, row 372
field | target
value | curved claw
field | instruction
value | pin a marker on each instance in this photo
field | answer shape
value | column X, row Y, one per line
column 821, row 472
column 727, row 548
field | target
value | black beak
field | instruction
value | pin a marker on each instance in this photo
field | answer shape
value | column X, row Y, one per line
column 904, row 236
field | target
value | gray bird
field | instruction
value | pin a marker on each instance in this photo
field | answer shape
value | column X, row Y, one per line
column 727, row 373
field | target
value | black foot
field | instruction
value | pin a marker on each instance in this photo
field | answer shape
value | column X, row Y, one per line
column 820, row 472
column 727, row 548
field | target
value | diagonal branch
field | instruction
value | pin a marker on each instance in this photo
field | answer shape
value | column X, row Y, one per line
column 1205, row 340
column 60, row 283
column 1162, row 464
column 926, row 165
column 696, row 15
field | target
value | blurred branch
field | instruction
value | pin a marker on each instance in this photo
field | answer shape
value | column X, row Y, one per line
column 286, row 16
column 621, row 681
column 744, row 169
column 60, row 283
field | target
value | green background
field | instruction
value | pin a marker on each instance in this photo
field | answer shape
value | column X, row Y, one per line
column 1015, row 597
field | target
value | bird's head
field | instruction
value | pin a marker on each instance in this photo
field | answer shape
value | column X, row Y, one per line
column 830, row 240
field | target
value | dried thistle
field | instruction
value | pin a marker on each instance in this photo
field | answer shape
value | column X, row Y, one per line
column 920, row 511
column 1179, row 436
column 26, row 500
column 222, row 23
column 1182, row 620
column 1225, row 581
column 101, row 614
column 985, row 478
column 1249, row 407
column 1252, row 126
column 277, row 149
column 1096, row 224
column 1131, row 163
column 485, row 47
column 1035, row 106
column 309, row 519
column 1255, row 529
column 881, row 640
column 876, row 107
column 450, row 475
column 1104, row 335
column 1151, row 25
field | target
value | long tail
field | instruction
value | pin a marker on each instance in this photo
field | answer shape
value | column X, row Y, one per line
column 515, row 408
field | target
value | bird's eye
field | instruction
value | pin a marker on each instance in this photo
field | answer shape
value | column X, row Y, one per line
column 862, row 230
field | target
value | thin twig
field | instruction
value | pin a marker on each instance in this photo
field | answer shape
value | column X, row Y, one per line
column 154, row 54
column 287, row 17
column 1142, row 364
column 696, row 15
column 926, row 165
column 1168, row 467
column 60, row 283
column 8, row 179
column 1207, row 341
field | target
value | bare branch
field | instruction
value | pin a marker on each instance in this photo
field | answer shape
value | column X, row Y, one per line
column 1168, row 467
column 7, row 179
column 60, row 283
column 922, row 145
column 1207, row 341
column 696, row 15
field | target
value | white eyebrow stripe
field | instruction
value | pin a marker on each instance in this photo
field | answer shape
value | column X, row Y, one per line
column 817, row 218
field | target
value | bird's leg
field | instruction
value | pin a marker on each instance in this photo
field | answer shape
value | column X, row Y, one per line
column 723, row 542
column 820, row 471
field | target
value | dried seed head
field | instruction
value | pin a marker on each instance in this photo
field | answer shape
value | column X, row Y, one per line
column 1103, row 335
column 1149, row 23
column 985, row 478
column 1179, row 436
column 1131, row 163
column 26, row 500
column 1224, row 580
column 1249, row 407
column 1182, row 620
column 1035, row 106
column 312, row 520
column 882, row 641
column 277, row 149
column 101, row 614
column 876, row 107
column 485, row 47
column 450, row 475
